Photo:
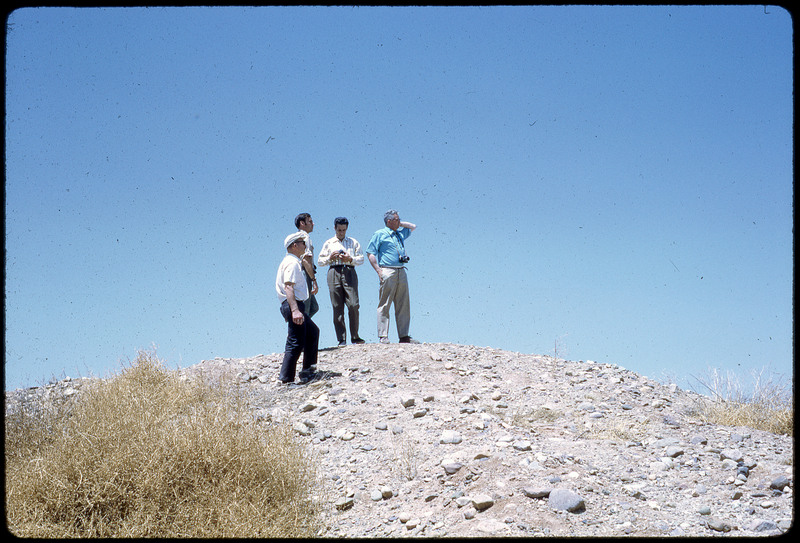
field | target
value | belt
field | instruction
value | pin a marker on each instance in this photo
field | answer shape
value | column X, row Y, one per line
column 338, row 266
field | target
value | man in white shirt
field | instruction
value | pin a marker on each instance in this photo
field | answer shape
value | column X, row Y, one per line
column 303, row 334
column 343, row 254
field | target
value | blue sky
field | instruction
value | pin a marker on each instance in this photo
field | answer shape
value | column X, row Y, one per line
column 613, row 183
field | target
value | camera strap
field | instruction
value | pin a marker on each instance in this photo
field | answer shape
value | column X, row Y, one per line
column 400, row 239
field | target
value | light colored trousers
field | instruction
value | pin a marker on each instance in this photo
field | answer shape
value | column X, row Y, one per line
column 394, row 289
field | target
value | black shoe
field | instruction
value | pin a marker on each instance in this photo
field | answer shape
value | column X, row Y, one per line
column 342, row 343
column 357, row 341
column 408, row 339
column 307, row 378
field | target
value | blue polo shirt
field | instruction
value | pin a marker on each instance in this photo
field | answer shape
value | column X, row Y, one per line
column 387, row 245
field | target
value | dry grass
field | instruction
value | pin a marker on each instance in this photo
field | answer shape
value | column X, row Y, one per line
column 618, row 430
column 405, row 457
column 147, row 455
column 769, row 407
column 525, row 416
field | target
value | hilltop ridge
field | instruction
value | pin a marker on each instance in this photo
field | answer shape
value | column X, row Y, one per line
column 454, row 440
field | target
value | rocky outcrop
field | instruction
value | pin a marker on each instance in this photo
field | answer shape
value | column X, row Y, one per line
column 451, row 440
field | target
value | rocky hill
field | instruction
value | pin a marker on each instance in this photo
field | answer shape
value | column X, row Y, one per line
column 451, row 440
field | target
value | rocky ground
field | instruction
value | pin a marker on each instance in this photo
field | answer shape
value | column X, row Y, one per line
column 459, row 441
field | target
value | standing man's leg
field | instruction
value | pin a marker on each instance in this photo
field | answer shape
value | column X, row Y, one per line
column 295, row 339
column 402, row 304
column 310, row 349
column 337, row 292
column 385, row 298
column 350, row 289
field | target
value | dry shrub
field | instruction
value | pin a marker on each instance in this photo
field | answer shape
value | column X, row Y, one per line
column 618, row 430
column 147, row 455
column 769, row 407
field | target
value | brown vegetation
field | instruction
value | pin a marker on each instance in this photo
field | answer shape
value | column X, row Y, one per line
column 146, row 454
column 769, row 407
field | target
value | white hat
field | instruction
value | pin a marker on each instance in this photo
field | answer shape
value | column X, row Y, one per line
column 291, row 238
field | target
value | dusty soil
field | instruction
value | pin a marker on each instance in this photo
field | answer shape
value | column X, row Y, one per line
column 452, row 440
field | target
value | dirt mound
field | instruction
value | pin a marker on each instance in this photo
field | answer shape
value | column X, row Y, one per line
column 451, row 440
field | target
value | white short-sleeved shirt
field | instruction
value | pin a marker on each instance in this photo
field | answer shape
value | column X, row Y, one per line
column 290, row 271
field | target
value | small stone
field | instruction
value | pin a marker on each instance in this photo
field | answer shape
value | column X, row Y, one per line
column 491, row 526
column 522, row 445
column 534, row 492
column 301, row 429
column 731, row 454
column 699, row 490
column 562, row 499
column 779, row 483
column 451, row 437
column 760, row 525
column 673, row 451
column 482, row 501
column 344, row 503
column 718, row 525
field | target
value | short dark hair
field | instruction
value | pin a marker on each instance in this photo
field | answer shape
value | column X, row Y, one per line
column 301, row 217
column 340, row 220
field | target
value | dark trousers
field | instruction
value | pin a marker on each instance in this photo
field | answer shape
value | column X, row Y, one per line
column 343, row 288
column 301, row 339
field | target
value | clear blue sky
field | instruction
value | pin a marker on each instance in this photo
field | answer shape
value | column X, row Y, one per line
column 613, row 181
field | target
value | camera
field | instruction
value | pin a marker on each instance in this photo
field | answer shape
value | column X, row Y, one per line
column 404, row 259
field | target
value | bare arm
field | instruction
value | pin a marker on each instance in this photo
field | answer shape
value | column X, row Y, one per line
column 297, row 315
column 410, row 225
column 308, row 265
column 374, row 261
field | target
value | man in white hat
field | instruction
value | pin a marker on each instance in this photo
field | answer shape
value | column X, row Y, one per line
column 303, row 334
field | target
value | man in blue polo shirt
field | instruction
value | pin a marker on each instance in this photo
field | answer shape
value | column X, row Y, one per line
column 387, row 254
